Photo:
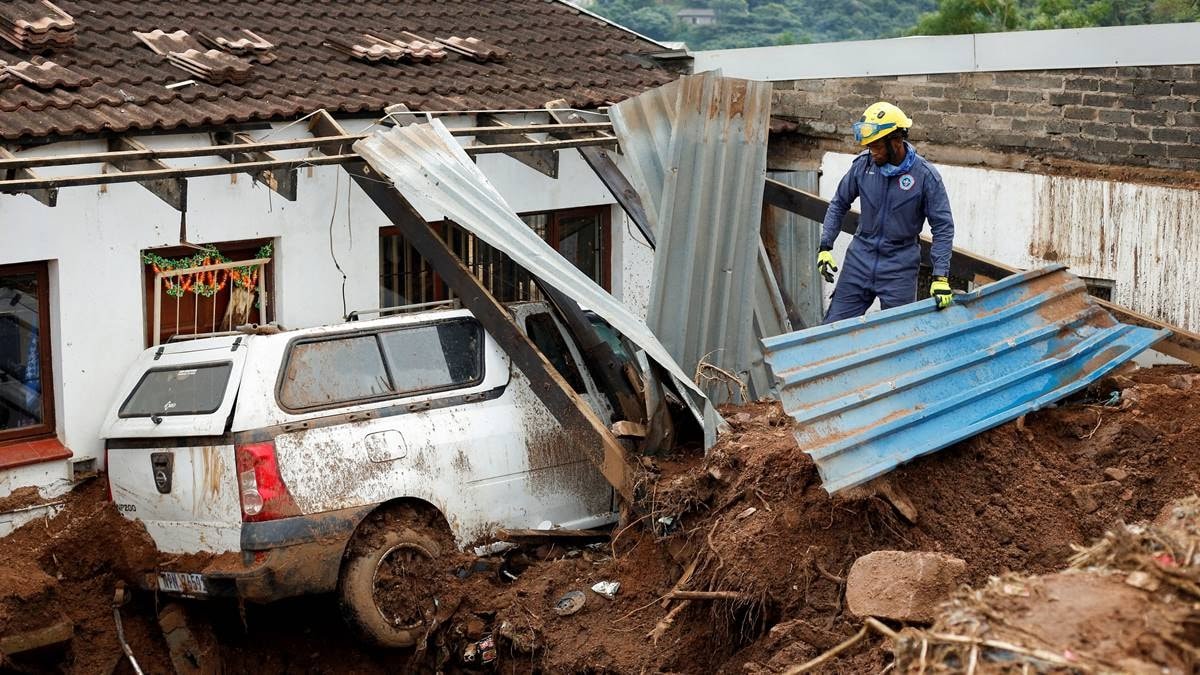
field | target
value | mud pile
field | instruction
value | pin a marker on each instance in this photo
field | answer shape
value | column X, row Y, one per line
column 63, row 571
column 751, row 523
column 736, row 563
column 1127, row 604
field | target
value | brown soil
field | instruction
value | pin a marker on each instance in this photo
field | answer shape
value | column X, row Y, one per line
column 751, row 516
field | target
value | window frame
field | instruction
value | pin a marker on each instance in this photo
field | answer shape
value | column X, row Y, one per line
column 428, row 279
column 376, row 332
column 48, row 427
column 164, row 369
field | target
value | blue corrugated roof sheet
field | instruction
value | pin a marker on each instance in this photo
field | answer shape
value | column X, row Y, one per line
column 871, row 393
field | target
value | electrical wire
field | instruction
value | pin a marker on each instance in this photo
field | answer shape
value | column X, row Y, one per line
column 332, row 218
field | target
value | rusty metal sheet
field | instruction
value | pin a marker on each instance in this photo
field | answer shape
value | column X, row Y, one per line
column 873, row 392
column 696, row 150
column 426, row 163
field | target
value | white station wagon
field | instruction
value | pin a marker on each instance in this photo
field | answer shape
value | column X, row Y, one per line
column 347, row 457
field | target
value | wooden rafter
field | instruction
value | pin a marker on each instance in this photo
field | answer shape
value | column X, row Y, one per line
column 604, row 167
column 577, row 420
column 171, row 190
column 542, row 161
column 47, row 196
column 281, row 180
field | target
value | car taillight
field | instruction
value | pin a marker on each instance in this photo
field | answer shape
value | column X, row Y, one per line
column 264, row 494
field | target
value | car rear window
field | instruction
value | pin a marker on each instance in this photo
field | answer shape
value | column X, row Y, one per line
column 385, row 364
column 179, row 390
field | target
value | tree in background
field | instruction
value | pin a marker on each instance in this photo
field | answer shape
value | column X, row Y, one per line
column 757, row 23
column 955, row 17
column 958, row 17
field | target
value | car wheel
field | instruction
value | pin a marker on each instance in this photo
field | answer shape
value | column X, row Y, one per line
column 389, row 583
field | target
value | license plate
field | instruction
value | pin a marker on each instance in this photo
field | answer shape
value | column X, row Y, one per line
column 179, row 582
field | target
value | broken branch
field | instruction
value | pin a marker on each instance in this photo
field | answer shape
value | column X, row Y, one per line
column 664, row 625
column 805, row 667
column 710, row 595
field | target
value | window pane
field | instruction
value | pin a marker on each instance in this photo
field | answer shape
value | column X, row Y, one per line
column 334, row 371
column 438, row 356
column 189, row 390
column 544, row 333
column 21, row 402
column 579, row 241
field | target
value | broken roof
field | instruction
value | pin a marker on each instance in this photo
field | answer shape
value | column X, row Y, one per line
column 551, row 51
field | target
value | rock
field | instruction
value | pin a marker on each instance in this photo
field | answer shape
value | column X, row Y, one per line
column 902, row 586
column 1116, row 473
column 1083, row 499
column 742, row 418
column 1142, row 432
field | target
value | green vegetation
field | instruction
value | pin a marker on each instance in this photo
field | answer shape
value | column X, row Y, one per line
column 757, row 23
column 988, row 16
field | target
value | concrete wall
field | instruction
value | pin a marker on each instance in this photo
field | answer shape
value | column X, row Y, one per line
column 1141, row 237
column 93, row 239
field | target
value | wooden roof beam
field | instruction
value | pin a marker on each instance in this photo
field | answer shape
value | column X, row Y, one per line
column 282, row 180
column 544, row 161
column 605, row 169
column 47, row 196
column 173, row 191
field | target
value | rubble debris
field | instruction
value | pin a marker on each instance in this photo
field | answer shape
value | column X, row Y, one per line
column 606, row 589
column 570, row 603
column 1126, row 604
column 55, row 633
column 482, row 652
column 1000, row 501
column 902, row 586
column 192, row 644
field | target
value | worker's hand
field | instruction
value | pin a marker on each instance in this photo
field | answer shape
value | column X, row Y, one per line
column 940, row 291
column 826, row 266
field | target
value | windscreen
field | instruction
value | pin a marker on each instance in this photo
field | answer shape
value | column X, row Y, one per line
column 183, row 390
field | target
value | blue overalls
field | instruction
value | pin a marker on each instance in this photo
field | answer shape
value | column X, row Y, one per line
column 884, row 256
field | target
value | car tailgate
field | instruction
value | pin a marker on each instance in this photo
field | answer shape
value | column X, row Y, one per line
column 171, row 462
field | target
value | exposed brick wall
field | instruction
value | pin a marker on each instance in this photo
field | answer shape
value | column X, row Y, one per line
column 1134, row 116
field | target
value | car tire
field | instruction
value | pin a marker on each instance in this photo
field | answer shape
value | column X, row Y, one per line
column 388, row 580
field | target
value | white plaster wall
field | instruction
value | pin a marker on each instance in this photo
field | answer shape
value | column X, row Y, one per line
column 94, row 237
column 1140, row 236
column 632, row 264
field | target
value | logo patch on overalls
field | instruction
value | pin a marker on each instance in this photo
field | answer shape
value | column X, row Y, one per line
column 906, row 181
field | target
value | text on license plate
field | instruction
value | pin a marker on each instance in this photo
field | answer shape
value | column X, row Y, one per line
column 179, row 582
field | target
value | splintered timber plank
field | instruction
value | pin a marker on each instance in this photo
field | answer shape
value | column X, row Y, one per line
column 1181, row 344
column 572, row 413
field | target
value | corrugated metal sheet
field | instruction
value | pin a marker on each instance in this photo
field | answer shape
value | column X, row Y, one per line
column 426, row 164
column 796, row 243
column 705, row 186
column 770, row 318
column 873, row 392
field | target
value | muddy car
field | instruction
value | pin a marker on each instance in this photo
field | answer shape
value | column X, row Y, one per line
column 346, row 458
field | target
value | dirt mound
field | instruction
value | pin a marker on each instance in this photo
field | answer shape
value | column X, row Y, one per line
column 1128, row 604
column 750, row 526
column 66, row 568
column 747, row 534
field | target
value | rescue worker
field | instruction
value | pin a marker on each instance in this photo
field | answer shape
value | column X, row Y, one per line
column 898, row 190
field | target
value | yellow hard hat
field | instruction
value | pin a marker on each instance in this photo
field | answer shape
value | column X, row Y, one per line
column 879, row 120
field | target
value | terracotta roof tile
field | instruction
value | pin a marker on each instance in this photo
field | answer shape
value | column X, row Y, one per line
column 550, row 51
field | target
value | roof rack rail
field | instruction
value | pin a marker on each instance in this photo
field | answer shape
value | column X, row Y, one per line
column 402, row 309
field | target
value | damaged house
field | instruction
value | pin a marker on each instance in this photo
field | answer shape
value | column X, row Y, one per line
column 90, row 276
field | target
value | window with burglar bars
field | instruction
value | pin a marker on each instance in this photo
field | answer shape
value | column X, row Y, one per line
column 206, row 302
column 582, row 236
